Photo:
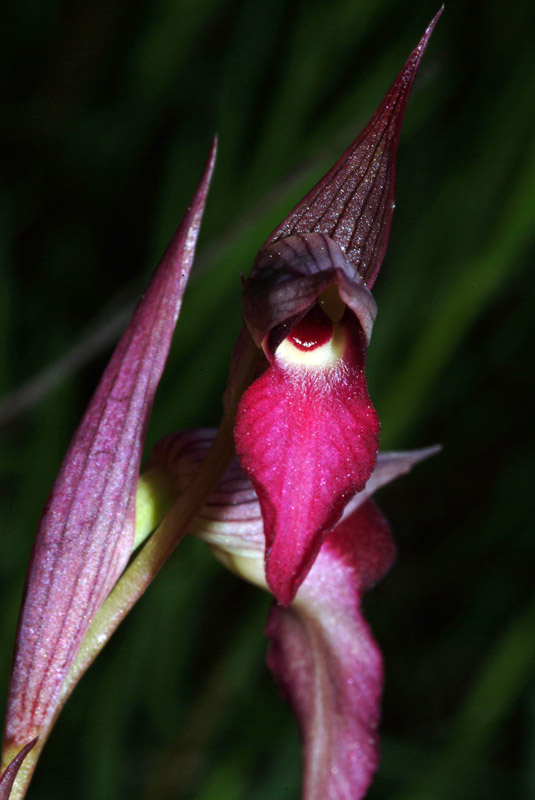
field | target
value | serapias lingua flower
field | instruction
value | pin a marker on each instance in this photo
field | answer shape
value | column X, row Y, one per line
column 307, row 438
column 306, row 435
column 306, row 432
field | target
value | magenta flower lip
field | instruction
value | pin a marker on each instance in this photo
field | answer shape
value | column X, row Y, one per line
column 308, row 439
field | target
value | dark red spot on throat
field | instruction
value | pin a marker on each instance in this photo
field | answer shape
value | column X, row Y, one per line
column 314, row 330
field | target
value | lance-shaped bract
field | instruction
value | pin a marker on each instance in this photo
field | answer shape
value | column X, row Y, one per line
column 321, row 650
column 86, row 533
column 306, row 431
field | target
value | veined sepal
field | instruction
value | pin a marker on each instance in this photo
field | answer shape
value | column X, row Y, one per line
column 353, row 203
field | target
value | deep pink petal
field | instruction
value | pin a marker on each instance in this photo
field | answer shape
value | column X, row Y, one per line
column 326, row 662
column 353, row 203
column 308, row 440
column 7, row 778
column 86, row 534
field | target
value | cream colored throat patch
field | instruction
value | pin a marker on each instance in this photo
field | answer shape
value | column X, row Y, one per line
column 320, row 357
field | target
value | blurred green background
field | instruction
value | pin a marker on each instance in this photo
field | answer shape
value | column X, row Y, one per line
column 109, row 109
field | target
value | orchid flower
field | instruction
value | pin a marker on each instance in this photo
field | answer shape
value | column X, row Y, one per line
column 306, row 432
column 306, row 437
column 292, row 513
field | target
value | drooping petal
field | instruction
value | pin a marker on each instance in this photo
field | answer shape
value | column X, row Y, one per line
column 326, row 662
column 86, row 534
column 8, row 777
column 322, row 653
column 307, row 436
column 353, row 203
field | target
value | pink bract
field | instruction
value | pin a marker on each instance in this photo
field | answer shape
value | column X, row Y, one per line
column 86, row 534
